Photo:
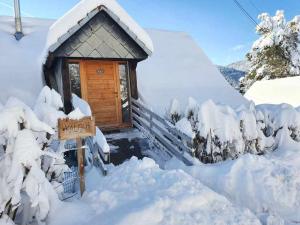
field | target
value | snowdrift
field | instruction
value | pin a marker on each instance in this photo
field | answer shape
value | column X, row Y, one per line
column 267, row 185
column 283, row 90
column 139, row 192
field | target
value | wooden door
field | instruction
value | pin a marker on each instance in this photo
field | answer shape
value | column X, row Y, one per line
column 101, row 89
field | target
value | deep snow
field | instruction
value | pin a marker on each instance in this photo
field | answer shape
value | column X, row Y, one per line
column 267, row 185
column 139, row 192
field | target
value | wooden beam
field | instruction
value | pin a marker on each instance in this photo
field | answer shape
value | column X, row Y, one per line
column 66, row 87
column 80, row 160
column 133, row 79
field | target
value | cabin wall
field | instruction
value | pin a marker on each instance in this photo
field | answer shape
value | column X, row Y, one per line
column 102, row 38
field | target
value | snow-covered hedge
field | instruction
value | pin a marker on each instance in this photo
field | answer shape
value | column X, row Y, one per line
column 30, row 169
column 220, row 132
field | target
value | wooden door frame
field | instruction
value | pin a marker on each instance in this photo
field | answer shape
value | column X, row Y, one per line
column 84, row 88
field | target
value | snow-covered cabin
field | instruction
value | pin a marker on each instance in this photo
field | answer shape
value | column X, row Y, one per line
column 95, row 51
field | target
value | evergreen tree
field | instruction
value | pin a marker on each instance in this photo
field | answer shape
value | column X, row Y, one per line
column 276, row 53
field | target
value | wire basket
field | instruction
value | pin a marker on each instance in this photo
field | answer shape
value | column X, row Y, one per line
column 70, row 180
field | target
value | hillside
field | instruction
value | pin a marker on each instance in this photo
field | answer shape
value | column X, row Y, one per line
column 234, row 71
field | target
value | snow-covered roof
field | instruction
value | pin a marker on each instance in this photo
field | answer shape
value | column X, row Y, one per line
column 179, row 69
column 81, row 13
column 283, row 90
column 21, row 61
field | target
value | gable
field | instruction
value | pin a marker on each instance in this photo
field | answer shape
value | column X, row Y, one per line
column 101, row 37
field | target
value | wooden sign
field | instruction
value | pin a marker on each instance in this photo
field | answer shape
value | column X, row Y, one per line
column 73, row 129
column 77, row 129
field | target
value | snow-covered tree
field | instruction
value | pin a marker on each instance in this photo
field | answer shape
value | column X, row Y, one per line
column 28, row 164
column 277, row 51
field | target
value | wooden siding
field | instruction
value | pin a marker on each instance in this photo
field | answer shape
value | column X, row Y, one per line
column 102, row 91
column 102, row 38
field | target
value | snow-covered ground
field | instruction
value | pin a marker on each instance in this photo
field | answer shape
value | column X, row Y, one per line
column 139, row 192
column 267, row 185
column 249, row 190
column 283, row 90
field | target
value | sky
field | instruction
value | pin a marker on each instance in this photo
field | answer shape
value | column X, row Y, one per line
column 218, row 26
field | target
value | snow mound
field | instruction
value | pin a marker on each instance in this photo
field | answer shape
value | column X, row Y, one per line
column 180, row 69
column 139, row 192
column 283, row 90
column 76, row 114
column 267, row 185
column 80, row 11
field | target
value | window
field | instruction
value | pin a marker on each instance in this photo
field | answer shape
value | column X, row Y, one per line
column 74, row 72
column 124, row 87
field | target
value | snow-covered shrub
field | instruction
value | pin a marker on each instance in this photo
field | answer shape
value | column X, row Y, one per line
column 174, row 113
column 191, row 112
column 28, row 164
column 219, row 132
column 218, row 128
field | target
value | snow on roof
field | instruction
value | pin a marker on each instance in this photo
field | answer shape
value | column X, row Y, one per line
column 180, row 69
column 21, row 61
column 283, row 90
column 177, row 69
column 74, row 19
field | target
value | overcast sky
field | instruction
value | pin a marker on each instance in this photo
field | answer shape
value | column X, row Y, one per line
column 218, row 26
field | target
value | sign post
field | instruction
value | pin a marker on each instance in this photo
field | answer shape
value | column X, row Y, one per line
column 77, row 129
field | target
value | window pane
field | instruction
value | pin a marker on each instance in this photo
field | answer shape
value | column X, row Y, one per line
column 123, row 72
column 74, row 71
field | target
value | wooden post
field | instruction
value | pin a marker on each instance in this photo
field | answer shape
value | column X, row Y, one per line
column 80, row 161
column 77, row 129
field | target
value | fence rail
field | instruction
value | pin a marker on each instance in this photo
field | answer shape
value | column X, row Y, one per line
column 98, row 155
column 176, row 142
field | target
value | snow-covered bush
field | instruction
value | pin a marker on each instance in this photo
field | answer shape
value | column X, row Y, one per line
column 219, row 132
column 28, row 164
column 277, row 51
column 174, row 113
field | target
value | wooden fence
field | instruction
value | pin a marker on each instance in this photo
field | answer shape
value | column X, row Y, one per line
column 98, row 156
column 174, row 141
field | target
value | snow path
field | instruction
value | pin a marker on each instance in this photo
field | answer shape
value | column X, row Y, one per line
column 139, row 192
column 268, row 185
